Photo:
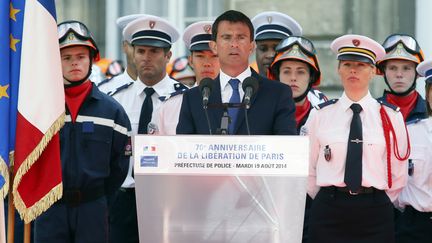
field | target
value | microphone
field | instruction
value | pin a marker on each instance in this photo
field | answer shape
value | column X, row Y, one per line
column 250, row 87
column 205, row 86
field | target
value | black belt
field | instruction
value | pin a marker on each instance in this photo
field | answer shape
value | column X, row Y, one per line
column 361, row 190
column 74, row 197
column 412, row 210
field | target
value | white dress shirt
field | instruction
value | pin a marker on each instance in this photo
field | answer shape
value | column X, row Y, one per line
column 169, row 113
column 226, row 88
column 132, row 99
column 418, row 191
column 330, row 127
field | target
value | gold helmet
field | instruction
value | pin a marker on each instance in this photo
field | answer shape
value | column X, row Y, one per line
column 296, row 48
column 75, row 33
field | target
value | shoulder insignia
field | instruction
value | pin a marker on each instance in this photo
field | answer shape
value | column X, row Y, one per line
column 180, row 86
column 164, row 98
column 384, row 103
column 327, row 103
column 104, row 81
column 414, row 121
column 124, row 86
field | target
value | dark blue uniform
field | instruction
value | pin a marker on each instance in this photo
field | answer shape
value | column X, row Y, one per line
column 95, row 152
column 419, row 112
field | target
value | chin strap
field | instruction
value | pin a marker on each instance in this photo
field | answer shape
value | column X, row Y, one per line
column 413, row 87
column 76, row 83
column 389, row 130
column 301, row 97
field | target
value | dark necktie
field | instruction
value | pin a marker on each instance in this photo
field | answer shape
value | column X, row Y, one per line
column 235, row 98
column 146, row 111
column 353, row 165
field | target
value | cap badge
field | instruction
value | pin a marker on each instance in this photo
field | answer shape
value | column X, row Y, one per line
column 152, row 24
column 356, row 42
column 207, row 28
column 71, row 36
column 399, row 49
column 269, row 19
column 327, row 153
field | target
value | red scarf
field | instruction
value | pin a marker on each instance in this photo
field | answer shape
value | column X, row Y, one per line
column 75, row 96
column 405, row 103
column 302, row 111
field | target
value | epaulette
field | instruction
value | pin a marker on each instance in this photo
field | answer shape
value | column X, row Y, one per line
column 180, row 89
column 104, row 81
column 180, row 86
column 124, row 86
column 327, row 103
column 391, row 106
column 414, row 121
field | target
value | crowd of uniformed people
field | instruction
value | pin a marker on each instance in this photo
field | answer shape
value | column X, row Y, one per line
column 370, row 168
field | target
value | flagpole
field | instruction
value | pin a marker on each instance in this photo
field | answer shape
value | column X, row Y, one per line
column 27, row 233
column 11, row 209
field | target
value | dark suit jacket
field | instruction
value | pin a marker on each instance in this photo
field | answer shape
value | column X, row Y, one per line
column 272, row 110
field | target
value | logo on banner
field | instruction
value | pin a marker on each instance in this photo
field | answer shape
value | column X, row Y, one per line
column 149, row 157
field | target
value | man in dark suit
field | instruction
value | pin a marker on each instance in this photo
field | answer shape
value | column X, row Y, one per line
column 272, row 110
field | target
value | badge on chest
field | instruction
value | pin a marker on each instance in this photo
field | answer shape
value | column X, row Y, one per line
column 327, row 153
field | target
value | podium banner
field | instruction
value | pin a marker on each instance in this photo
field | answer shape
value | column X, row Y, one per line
column 220, row 188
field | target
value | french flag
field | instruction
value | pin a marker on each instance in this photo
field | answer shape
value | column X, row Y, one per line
column 37, row 77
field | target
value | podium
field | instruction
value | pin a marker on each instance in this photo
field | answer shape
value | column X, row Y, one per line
column 193, row 189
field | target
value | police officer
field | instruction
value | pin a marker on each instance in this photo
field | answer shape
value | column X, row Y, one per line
column 356, row 168
column 205, row 64
column 270, row 28
column 415, row 223
column 109, row 86
column 93, row 143
column 151, row 38
column 296, row 65
column 403, row 54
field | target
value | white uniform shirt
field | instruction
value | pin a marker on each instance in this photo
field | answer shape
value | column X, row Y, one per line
column 418, row 191
column 132, row 99
column 330, row 126
column 115, row 83
column 169, row 114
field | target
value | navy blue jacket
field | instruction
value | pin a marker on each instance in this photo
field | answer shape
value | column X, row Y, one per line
column 94, row 149
column 272, row 110
column 419, row 112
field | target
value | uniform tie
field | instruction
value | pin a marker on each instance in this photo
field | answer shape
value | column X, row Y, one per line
column 235, row 98
column 353, row 165
column 146, row 111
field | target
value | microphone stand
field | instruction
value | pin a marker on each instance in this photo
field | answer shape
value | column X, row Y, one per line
column 225, row 120
column 208, row 119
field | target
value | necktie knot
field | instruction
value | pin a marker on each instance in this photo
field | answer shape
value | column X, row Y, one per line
column 234, row 83
column 356, row 108
column 149, row 91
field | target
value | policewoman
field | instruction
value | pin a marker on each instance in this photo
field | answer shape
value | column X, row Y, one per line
column 296, row 65
column 93, row 145
column 358, row 153
column 415, row 223
column 398, row 66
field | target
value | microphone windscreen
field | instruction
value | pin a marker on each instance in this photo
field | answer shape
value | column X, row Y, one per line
column 206, row 82
column 250, row 82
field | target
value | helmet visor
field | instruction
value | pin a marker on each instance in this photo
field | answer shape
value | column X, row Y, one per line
column 304, row 44
column 80, row 29
column 408, row 41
